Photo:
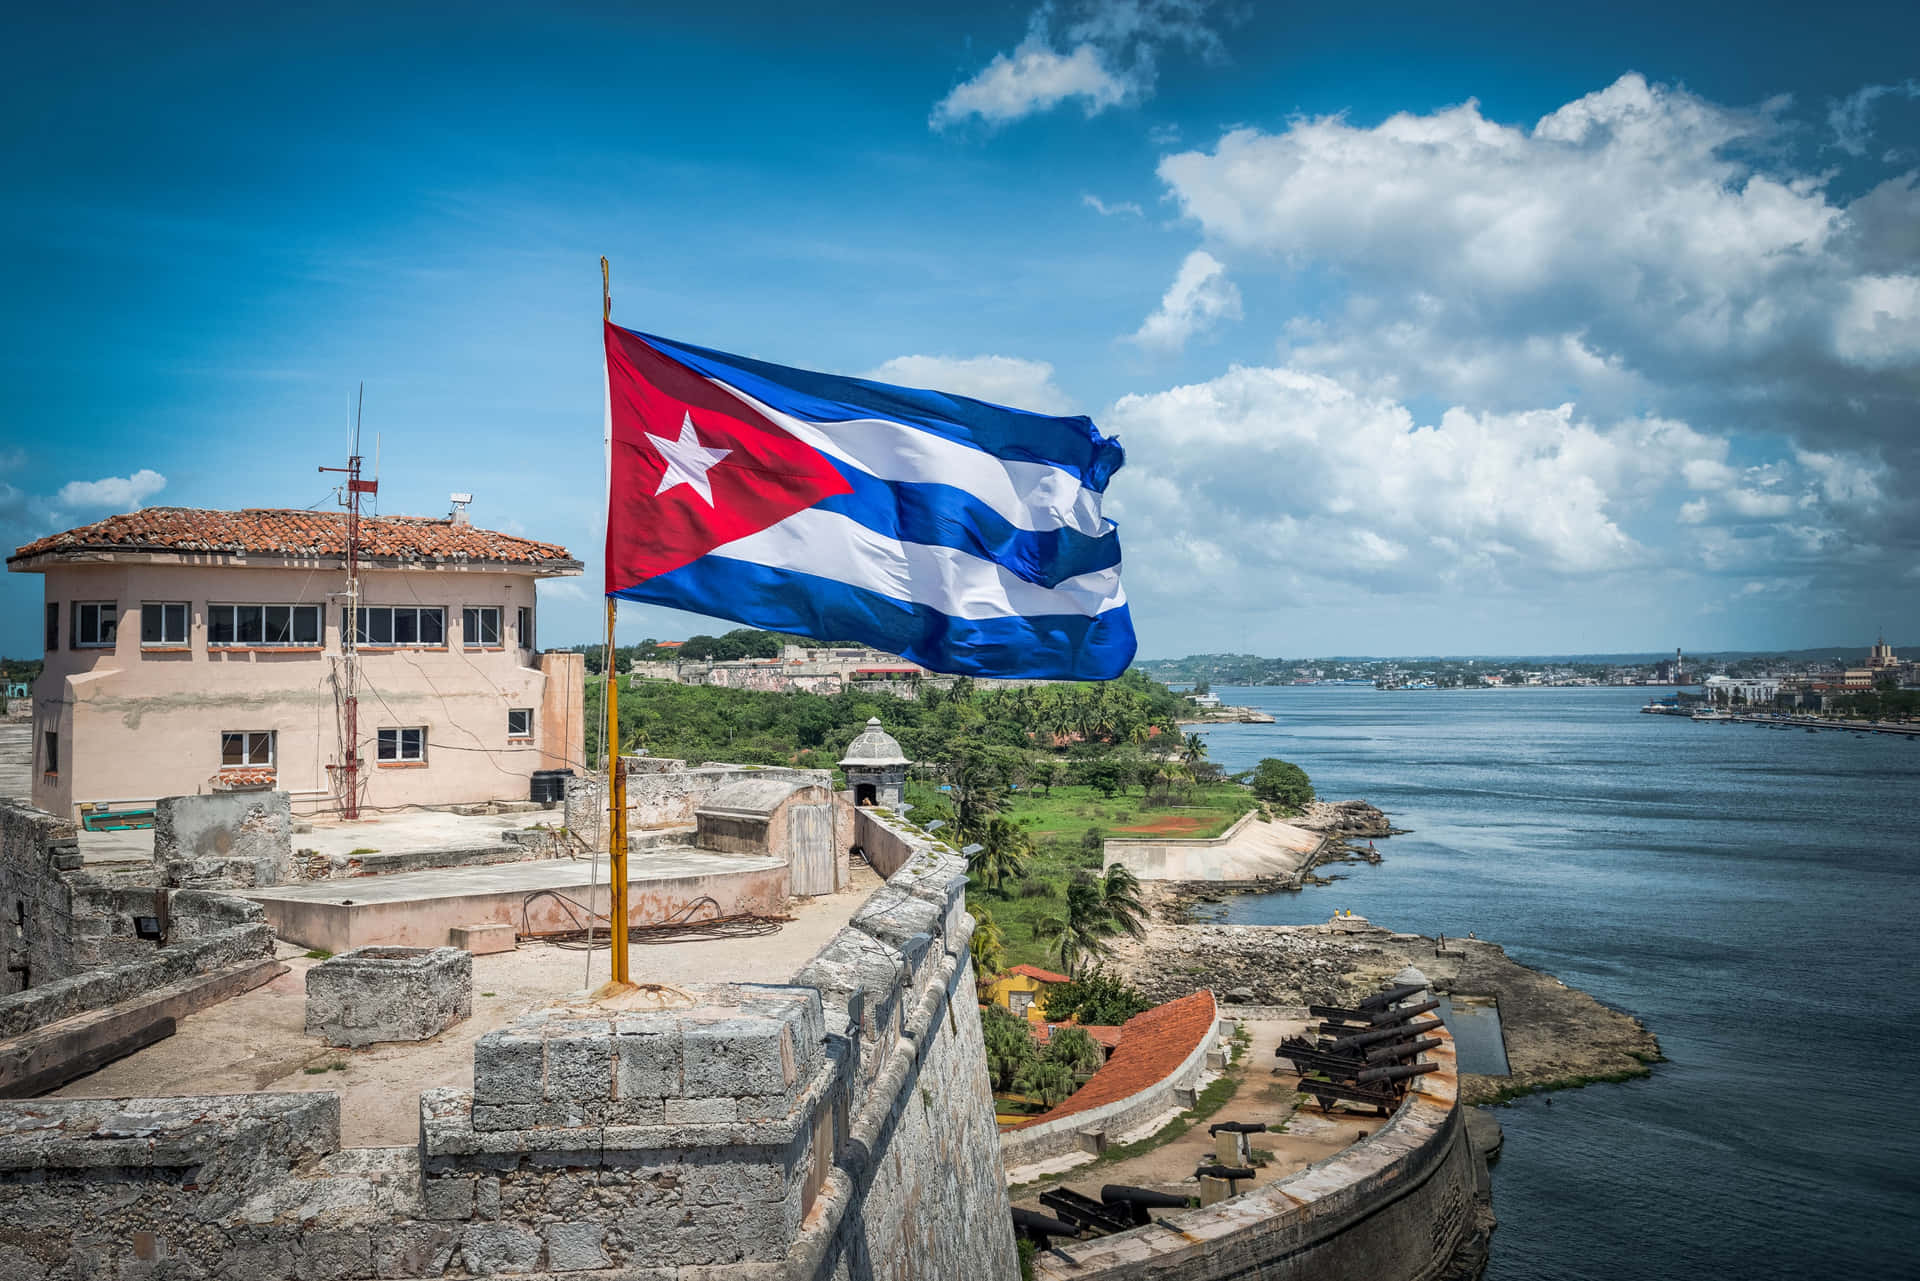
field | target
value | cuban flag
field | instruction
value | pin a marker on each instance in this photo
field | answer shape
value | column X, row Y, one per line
column 964, row 536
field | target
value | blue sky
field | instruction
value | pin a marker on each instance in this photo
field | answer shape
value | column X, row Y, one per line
column 1425, row 331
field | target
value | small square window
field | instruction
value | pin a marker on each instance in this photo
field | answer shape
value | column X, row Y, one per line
column 96, row 624
column 481, row 625
column 240, row 749
column 520, row 722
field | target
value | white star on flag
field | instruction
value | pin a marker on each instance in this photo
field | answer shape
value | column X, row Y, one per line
column 688, row 461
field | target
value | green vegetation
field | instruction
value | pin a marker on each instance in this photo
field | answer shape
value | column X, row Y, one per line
column 335, row 1066
column 1098, row 998
column 1098, row 907
column 1282, row 783
column 319, row 954
column 20, row 669
column 364, row 849
column 1041, row 1077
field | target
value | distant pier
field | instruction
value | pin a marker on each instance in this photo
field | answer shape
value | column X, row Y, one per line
column 1815, row 722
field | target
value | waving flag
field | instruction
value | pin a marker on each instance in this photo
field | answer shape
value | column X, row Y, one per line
column 962, row 535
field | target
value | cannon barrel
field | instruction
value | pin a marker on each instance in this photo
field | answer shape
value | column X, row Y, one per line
column 1224, row 1172
column 1031, row 1221
column 1396, row 1072
column 1238, row 1127
column 1401, row 1013
column 1381, row 1036
column 1122, row 1194
column 1381, row 1000
column 1400, row 1049
column 1340, row 1013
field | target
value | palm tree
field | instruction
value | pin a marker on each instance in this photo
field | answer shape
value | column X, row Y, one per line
column 1120, row 897
column 988, row 947
column 1193, row 749
column 1004, row 849
column 1083, row 931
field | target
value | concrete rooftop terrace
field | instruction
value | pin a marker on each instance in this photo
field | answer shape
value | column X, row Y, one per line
column 258, row 1041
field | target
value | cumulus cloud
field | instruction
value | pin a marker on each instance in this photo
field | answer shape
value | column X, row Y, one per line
column 1638, row 249
column 121, row 493
column 1101, row 53
column 1283, row 479
column 999, row 380
column 1106, row 210
column 1200, row 297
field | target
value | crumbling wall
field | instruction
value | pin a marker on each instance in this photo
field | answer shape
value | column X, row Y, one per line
column 837, row 1126
column 224, row 838
column 37, row 905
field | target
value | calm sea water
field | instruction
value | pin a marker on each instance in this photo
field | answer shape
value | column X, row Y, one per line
column 1749, row 893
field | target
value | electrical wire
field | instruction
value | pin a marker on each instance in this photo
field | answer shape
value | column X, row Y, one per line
column 688, row 925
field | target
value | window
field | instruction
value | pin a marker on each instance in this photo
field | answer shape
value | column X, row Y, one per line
column 264, row 626
column 519, row 722
column 524, row 620
column 400, row 625
column 163, row 623
column 53, row 625
column 1019, row 1002
column 398, row 745
column 52, row 740
column 480, row 625
column 242, row 748
column 96, row 624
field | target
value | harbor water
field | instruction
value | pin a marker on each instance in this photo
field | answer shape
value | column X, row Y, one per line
column 1748, row 893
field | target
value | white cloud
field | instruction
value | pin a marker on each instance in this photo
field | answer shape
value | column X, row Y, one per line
column 1033, row 78
column 1000, row 380
column 1851, row 117
column 1280, row 480
column 1105, row 54
column 1106, row 210
column 1200, row 297
column 122, row 493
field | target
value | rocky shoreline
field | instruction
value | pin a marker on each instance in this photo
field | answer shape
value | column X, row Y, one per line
column 1556, row 1036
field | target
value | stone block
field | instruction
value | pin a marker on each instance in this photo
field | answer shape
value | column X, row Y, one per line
column 413, row 1250
column 580, row 1060
column 509, row 1066
column 333, row 1254
column 727, row 1057
column 648, row 1050
column 576, row 1247
column 224, row 838
column 448, row 1197
column 488, row 1248
column 374, row 994
column 482, row 940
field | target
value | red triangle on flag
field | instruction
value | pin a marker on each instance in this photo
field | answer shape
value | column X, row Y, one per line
column 692, row 465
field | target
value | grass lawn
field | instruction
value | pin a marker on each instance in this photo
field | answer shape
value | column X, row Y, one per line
column 1058, row 824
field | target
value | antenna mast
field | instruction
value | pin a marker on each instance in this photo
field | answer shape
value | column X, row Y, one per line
column 350, row 629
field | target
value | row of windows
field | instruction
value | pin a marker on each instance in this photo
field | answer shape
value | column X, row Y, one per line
column 165, row 625
column 240, row 749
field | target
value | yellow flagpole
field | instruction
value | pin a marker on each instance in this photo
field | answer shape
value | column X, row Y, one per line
column 616, row 765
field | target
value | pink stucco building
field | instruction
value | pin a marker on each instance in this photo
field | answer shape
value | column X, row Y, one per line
column 189, row 650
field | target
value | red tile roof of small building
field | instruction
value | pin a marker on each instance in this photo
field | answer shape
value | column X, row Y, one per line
column 295, row 533
column 1035, row 972
column 1104, row 1035
column 1152, row 1045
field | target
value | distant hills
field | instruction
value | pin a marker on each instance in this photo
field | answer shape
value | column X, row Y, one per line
column 1845, row 653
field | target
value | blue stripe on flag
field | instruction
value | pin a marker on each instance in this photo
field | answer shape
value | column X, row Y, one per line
column 942, row 516
column 1050, row 647
column 1072, row 444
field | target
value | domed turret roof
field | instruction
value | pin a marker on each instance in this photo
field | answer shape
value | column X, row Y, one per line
column 874, row 748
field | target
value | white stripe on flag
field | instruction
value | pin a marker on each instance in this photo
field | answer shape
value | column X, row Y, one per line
column 957, row 584
column 1032, row 496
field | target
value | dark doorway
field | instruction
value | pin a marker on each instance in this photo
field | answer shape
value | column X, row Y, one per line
column 865, row 794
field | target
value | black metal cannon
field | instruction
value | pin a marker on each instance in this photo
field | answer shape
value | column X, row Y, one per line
column 1339, row 1013
column 1382, row 1036
column 1137, row 1201
column 1237, row 1127
column 1325, row 1093
column 1381, row 1000
column 1233, row 1174
column 1401, row 1013
column 1040, row 1228
column 1086, row 1212
column 1395, row 1072
column 1400, row 1050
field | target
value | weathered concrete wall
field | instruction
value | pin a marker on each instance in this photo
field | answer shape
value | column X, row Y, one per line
column 1397, row 1206
column 223, row 838
column 374, row 994
column 1249, row 851
column 36, row 901
column 839, row 1126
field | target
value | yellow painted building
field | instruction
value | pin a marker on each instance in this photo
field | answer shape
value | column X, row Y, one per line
column 1023, row 990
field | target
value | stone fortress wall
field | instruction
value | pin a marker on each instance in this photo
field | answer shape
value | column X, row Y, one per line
column 839, row 1125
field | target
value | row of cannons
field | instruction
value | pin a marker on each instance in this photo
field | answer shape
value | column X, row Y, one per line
column 1367, row 1055
column 1121, row 1207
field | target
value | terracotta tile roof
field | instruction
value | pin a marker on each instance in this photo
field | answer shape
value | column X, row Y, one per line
column 1151, row 1046
column 1035, row 972
column 299, row 533
column 242, row 778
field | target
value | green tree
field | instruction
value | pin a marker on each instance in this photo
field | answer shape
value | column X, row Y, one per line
column 1120, row 899
column 987, row 947
column 1073, row 1049
column 1004, row 850
column 1282, row 783
column 1099, row 997
column 1044, row 774
column 1009, row 1046
column 1046, row 1080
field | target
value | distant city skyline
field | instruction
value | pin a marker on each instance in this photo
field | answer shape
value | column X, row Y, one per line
column 1429, row 333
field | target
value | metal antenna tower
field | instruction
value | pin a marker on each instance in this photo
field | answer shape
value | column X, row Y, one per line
column 350, row 628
